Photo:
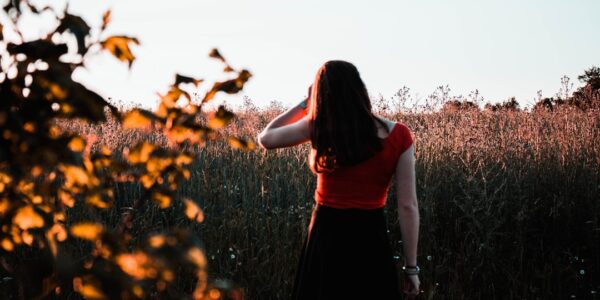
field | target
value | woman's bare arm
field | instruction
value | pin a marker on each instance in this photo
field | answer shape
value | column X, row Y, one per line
column 408, row 208
column 288, row 129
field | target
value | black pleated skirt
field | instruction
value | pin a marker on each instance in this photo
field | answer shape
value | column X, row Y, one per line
column 347, row 255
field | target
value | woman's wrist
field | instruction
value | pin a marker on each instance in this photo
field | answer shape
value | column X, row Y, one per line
column 411, row 270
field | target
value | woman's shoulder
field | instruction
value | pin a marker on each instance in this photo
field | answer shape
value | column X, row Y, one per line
column 399, row 134
column 402, row 136
column 389, row 123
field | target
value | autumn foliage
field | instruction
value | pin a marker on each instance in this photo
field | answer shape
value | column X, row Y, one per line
column 46, row 171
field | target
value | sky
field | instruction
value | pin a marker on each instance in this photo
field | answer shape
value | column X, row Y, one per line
column 502, row 48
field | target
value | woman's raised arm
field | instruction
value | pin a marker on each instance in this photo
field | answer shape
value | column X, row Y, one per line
column 288, row 129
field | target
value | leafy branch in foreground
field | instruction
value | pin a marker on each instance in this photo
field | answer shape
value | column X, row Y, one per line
column 45, row 171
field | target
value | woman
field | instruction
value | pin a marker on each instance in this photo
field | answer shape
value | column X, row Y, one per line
column 347, row 254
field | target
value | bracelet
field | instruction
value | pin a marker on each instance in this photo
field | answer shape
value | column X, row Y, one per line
column 303, row 104
column 411, row 270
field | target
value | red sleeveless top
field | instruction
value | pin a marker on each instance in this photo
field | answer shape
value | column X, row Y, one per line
column 366, row 184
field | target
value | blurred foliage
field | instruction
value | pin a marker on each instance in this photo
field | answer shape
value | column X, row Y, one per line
column 585, row 98
column 45, row 171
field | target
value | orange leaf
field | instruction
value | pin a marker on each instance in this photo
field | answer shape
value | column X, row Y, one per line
column 119, row 47
column 163, row 200
column 26, row 218
column 193, row 211
column 87, row 231
column 179, row 79
column 75, row 176
column 231, row 86
column 89, row 289
column 156, row 241
column 140, row 153
column 59, row 231
column 29, row 127
column 214, row 53
column 7, row 244
column 106, row 18
column 66, row 198
column 237, row 143
column 97, row 201
column 134, row 264
column 147, row 180
column 210, row 94
column 4, row 206
column 77, row 144
column 172, row 96
column 27, row 238
column 157, row 164
column 179, row 134
column 183, row 159
column 136, row 119
column 221, row 118
column 4, row 180
column 196, row 256
column 228, row 69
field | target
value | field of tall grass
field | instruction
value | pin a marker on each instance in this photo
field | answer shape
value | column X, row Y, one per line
column 509, row 202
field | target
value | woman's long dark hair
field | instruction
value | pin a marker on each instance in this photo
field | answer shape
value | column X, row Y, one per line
column 342, row 129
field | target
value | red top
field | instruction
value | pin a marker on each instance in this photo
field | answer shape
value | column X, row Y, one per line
column 366, row 184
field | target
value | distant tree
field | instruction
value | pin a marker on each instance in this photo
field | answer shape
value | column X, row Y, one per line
column 509, row 105
column 591, row 77
column 584, row 98
column 543, row 104
column 588, row 96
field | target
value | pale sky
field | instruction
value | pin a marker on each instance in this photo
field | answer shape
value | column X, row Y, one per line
column 503, row 48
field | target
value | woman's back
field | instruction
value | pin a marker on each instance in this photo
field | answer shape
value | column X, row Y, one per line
column 347, row 252
column 364, row 185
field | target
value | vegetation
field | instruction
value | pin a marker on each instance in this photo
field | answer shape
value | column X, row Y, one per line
column 510, row 203
column 95, row 202
column 65, row 230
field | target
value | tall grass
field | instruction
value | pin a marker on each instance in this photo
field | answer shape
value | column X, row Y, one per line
column 509, row 201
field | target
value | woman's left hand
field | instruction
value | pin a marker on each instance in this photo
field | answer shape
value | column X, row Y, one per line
column 411, row 285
